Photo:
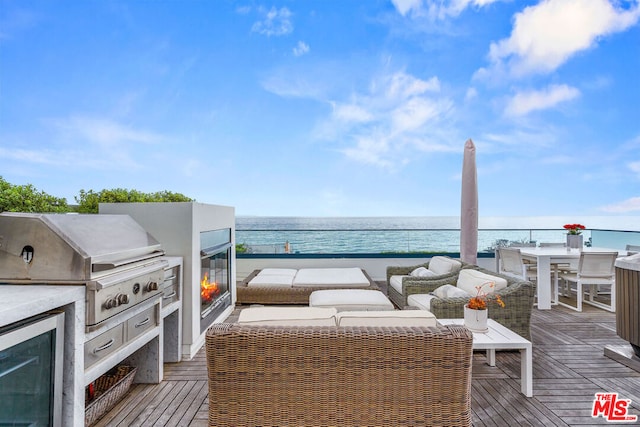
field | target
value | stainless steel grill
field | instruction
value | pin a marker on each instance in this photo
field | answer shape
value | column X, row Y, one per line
column 112, row 255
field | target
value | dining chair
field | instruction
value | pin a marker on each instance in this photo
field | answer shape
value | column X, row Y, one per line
column 632, row 249
column 511, row 263
column 595, row 269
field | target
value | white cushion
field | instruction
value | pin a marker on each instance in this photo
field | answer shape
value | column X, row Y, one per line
column 422, row 272
column 468, row 279
column 271, row 280
column 449, row 291
column 288, row 316
column 278, row 271
column 422, row 301
column 394, row 318
column 350, row 300
column 443, row 265
column 396, row 283
column 270, row 277
column 331, row 277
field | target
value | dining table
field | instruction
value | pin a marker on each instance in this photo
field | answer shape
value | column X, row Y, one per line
column 545, row 257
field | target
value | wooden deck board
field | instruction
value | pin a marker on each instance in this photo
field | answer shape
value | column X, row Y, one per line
column 569, row 367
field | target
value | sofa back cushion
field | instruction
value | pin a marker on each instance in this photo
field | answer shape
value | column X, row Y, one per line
column 443, row 265
column 469, row 278
column 394, row 318
column 288, row 316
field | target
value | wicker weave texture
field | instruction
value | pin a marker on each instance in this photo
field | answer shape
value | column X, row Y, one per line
column 331, row 376
column 282, row 295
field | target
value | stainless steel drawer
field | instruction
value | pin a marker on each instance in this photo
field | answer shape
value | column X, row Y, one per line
column 103, row 345
column 142, row 322
column 170, row 294
column 171, row 273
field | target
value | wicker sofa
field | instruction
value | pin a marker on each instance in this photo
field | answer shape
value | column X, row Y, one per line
column 338, row 376
column 416, row 285
column 518, row 296
column 246, row 294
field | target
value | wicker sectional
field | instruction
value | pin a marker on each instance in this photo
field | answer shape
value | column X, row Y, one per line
column 414, row 285
column 338, row 376
column 282, row 295
column 518, row 296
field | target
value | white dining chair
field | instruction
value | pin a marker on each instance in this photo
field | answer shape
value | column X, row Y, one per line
column 512, row 264
column 595, row 269
column 632, row 249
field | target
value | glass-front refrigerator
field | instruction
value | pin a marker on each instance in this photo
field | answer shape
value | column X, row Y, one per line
column 31, row 359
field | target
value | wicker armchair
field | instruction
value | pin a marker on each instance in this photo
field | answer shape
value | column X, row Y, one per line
column 415, row 285
column 518, row 296
column 339, row 376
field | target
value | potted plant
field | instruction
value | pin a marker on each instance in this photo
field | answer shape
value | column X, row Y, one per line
column 476, row 311
column 574, row 235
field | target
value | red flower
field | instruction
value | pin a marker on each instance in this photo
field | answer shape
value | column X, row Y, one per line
column 574, row 228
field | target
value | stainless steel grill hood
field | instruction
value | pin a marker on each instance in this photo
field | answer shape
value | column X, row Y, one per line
column 70, row 248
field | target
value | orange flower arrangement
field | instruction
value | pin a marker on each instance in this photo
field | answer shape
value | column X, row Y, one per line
column 479, row 302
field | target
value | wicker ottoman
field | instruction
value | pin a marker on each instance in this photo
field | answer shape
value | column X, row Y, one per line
column 350, row 300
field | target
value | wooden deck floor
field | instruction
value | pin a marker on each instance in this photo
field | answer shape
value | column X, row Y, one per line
column 569, row 368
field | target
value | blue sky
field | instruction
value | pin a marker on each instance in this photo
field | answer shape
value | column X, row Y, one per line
column 328, row 107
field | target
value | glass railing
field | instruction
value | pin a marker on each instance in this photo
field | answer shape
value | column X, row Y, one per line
column 413, row 241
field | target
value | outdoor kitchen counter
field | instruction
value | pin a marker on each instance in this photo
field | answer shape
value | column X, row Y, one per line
column 23, row 301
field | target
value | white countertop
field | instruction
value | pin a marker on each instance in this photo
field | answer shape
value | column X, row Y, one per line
column 23, row 301
column 631, row 262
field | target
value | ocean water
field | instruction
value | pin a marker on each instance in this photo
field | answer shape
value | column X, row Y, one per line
column 315, row 235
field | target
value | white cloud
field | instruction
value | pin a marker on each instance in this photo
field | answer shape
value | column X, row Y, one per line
column 523, row 103
column 635, row 167
column 404, row 6
column 301, row 48
column 404, row 85
column 276, row 22
column 351, row 113
column 399, row 113
column 105, row 132
column 87, row 142
column 472, row 93
column 629, row 205
column 437, row 9
column 414, row 113
column 546, row 35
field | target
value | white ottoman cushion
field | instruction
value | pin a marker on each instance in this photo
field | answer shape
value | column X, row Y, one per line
column 422, row 301
column 386, row 318
column 468, row 279
column 288, row 316
column 350, row 300
column 331, row 277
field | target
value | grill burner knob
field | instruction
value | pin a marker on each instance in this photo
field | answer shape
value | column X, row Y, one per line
column 151, row 286
column 111, row 303
column 116, row 301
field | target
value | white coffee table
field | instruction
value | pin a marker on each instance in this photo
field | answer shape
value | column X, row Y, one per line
column 501, row 338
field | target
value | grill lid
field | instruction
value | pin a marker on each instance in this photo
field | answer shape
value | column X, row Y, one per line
column 70, row 247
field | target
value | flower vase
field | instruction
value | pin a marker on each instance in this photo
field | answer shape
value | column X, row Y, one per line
column 476, row 320
column 574, row 241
